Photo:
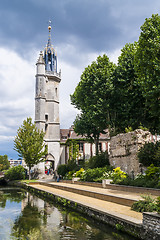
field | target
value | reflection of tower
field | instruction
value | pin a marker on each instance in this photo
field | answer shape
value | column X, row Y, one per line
column 47, row 100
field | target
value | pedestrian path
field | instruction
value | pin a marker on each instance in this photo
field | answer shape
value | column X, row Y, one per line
column 120, row 211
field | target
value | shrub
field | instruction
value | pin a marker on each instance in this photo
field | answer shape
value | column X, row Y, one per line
column 158, row 205
column 151, row 179
column 149, row 154
column 118, row 175
column 99, row 161
column 15, row 173
column 93, row 175
column 66, row 168
column 129, row 129
column 152, row 176
column 72, row 166
column 146, row 205
column 78, row 173
column 69, row 175
column 62, row 169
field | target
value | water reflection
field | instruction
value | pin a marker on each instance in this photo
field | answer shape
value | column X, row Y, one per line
column 38, row 219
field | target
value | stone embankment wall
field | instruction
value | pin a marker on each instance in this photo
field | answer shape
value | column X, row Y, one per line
column 151, row 224
column 124, row 148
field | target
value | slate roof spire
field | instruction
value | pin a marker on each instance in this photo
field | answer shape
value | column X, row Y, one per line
column 50, row 56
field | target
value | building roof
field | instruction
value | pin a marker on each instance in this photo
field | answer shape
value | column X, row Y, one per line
column 71, row 134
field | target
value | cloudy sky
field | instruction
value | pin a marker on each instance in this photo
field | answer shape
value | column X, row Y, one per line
column 81, row 30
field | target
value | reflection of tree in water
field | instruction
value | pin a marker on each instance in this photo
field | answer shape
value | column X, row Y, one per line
column 29, row 219
column 31, row 224
column 72, row 224
column 12, row 195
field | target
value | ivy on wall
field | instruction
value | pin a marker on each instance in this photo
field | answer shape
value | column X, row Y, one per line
column 73, row 149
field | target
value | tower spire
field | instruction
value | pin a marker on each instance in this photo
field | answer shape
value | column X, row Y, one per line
column 49, row 35
column 50, row 57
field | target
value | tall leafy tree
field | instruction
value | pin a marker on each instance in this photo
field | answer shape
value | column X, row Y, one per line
column 128, row 103
column 92, row 97
column 29, row 143
column 4, row 163
column 147, row 63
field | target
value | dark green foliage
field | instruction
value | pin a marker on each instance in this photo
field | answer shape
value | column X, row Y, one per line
column 62, row 169
column 150, row 154
column 4, row 163
column 99, row 161
column 153, row 173
column 158, row 205
column 151, row 179
column 92, row 97
column 15, row 173
column 147, row 62
column 128, row 104
column 146, row 205
column 72, row 166
column 96, row 174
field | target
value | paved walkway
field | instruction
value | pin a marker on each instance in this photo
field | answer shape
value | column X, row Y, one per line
column 127, row 195
column 117, row 210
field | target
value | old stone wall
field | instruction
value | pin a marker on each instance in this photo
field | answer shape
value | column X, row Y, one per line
column 124, row 148
column 151, row 224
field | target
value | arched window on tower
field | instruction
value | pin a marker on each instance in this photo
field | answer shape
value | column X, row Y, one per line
column 56, row 92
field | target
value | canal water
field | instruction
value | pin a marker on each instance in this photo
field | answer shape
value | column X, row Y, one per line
column 24, row 216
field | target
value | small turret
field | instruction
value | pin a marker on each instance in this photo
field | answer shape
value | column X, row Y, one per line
column 50, row 56
column 40, row 64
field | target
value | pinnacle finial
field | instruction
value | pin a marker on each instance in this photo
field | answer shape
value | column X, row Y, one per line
column 49, row 25
column 49, row 36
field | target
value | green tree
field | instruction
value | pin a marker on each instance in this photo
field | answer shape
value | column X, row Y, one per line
column 29, row 143
column 147, row 64
column 128, row 103
column 92, row 97
column 149, row 154
column 15, row 173
column 4, row 163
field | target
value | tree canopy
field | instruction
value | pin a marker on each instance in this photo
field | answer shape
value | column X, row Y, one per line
column 126, row 95
column 29, row 143
column 147, row 64
column 128, row 103
column 92, row 97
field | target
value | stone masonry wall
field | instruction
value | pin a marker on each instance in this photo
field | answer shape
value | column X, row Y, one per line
column 124, row 148
column 151, row 224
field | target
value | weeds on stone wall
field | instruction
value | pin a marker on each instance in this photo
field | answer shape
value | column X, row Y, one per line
column 147, row 205
column 158, row 204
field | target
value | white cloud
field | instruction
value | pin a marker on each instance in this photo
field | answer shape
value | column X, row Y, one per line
column 16, row 92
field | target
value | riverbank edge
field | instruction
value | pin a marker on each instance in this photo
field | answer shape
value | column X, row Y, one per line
column 136, row 230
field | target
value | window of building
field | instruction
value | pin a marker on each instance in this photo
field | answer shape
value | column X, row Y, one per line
column 46, row 117
column 100, row 147
column 81, row 147
column 56, row 91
